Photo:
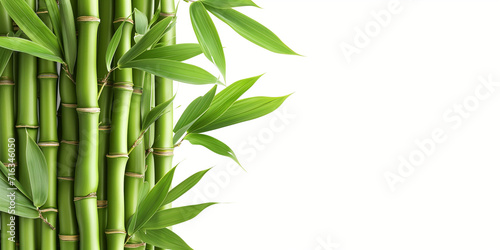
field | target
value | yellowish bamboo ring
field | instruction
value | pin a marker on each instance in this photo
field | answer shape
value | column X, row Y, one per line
column 88, row 19
column 69, row 237
column 79, row 198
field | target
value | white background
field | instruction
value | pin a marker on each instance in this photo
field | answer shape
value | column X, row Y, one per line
column 316, row 175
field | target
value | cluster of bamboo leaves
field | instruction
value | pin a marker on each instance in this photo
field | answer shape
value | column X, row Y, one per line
column 57, row 42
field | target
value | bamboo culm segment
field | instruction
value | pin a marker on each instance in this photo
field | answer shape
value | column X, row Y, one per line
column 86, row 172
column 104, row 36
column 118, row 149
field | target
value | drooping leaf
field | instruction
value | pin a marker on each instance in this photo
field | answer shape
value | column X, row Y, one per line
column 23, row 206
column 223, row 101
column 149, row 39
column 177, row 52
column 143, row 192
column 184, row 186
column 31, row 25
column 163, row 238
column 140, row 21
column 252, row 30
column 212, row 144
column 194, row 111
column 228, row 4
column 29, row 47
column 152, row 203
column 55, row 17
column 68, row 33
column 113, row 45
column 173, row 216
column 156, row 113
column 207, row 35
column 11, row 179
column 5, row 55
column 37, row 171
column 177, row 71
column 245, row 110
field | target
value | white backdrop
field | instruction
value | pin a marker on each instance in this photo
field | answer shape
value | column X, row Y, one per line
column 411, row 96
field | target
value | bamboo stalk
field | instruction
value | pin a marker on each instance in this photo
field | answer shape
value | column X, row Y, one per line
column 150, row 161
column 86, row 172
column 7, row 131
column 118, row 149
column 104, row 36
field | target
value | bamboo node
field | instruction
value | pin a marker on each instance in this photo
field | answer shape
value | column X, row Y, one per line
column 7, row 82
column 70, row 142
column 65, row 178
column 69, row 105
column 124, row 85
column 102, row 203
column 26, row 126
column 163, row 151
column 167, row 14
column 49, row 210
column 88, row 110
column 48, row 144
column 79, row 198
column 48, row 76
column 134, row 175
column 117, row 156
column 42, row 12
column 69, row 237
column 104, row 127
column 122, row 19
column 88, row 19
column 112, row 231
column 134, row 245
column 138, row 91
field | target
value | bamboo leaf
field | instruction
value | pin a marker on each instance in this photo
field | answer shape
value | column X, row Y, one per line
column 227, row 4
column 212, row 144
column 5, row 55
column 149, row 39
column 140, row 21
column 68, row 33
column 223, row 101
column 207, row 35
column 147, row 97
column 143, row 192
column 23, row 206
column 184, row 186
column 163, row 238
column 55, row 17
column 29, row 47
column 173, row 216
column 11, row 179
column 177, row 52
column 156, row 113
column 194, row 111
column 252, row 30
column 113, row 45
column 31, row 25
column 151, row 203
column 174, row 70
column 37, row 171
column 245, row 110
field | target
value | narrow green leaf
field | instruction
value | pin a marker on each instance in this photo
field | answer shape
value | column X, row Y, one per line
column 37, row 171
column 174, row 70
column 141, row 22
column 55, row 17
column 152, row 202
column 223, row 101
column 143, row 192
column 147, row 96
column 173, row 216
column 31, row 25
column 227, row 4
column 149, row 39
column 156, row 113
column 29, row 47
column 207, row 35
column 23, row 206
column 163, row 238
column 68, row 33
column 252, row 30
column 177, row 52
column 194, row 111
column 113, row 45
column 212, row 144
column 184, row 186
column 5, row 55
column 11, row 179
column 245, row 110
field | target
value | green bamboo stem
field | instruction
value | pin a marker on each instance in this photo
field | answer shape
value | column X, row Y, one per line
column 86, row 172
column 48, row 141
column 7, row 131
column 150, row 161
column 118, row 149
column 104, row 36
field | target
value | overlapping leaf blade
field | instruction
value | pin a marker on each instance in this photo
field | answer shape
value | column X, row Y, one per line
column 252, row 30
column 163, row 238
column 23, row 206
column 141, row 22
column 5, row 55
column 174, row 70
column 68, row 33
column 156, row 113
column 113, row 45
column 223, row 102
column 37, row 171
column 55, row 17
column 184, row 186
column 11, row 179
column 177, row 52
column 212, row 144
column 173, row 216
column 29, row 47
column 227, row 4
column 31, row 25
column 208, row 36
column 245, row 110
